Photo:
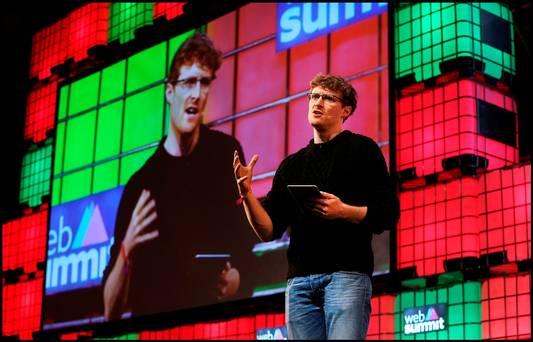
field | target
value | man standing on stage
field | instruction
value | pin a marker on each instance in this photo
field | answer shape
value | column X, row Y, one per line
column 330, row 254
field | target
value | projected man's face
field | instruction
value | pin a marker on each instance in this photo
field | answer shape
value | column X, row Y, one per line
column 188, row 97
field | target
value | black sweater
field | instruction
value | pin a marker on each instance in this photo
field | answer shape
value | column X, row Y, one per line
column 195, row 202
column 350, row 166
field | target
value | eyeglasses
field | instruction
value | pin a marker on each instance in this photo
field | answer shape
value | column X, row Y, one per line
column 190, row 83
column 327, row 98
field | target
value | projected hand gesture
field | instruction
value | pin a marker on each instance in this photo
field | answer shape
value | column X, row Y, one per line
column 143, row 215
column 228, row 281
column 244, row 174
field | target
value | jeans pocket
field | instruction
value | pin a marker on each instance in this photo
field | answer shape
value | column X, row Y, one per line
column 290, row 281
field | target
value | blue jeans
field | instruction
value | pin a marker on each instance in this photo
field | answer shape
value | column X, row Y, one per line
column 328, row 306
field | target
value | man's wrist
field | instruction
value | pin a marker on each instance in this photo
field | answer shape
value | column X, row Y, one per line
column 125, row 257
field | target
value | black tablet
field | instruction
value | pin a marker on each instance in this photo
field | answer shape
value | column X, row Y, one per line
column 303, row 192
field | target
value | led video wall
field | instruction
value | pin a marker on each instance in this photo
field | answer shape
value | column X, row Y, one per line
column 110, row 123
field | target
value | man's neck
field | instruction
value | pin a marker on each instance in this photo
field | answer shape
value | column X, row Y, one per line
column 322, row 136
column 179, row 144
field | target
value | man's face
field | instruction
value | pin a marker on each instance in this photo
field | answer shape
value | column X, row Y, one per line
column 188, row 97
column 327, row 111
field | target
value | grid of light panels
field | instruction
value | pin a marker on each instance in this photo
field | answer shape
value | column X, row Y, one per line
column 169, row 10
column 506, row 307
column 24, row 241
column 86, row 27
column 36, row 173
column 381, row 325
column 459, row 117
column 21, row 308
column 40, row 112
column 463, row 302
column 428, row 33
column 48, row 50
column 505, row 212
column 438, row 222
column 125, row 17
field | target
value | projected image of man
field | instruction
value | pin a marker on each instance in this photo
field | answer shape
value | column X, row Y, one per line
column 180, row 239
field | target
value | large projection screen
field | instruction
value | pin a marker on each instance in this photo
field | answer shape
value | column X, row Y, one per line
column 111, row 122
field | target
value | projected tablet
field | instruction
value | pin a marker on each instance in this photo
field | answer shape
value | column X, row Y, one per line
column 303, row 192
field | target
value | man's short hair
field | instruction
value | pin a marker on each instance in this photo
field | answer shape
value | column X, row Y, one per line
column 337, row 84
column 196, row 49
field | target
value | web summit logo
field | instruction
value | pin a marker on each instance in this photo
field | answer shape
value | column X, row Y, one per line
column 424, row 319
column 279, row 333
column 79, row 241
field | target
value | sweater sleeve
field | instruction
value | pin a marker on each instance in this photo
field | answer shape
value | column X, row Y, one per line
column 277, row 202
column 128, row 201
column 383, row 209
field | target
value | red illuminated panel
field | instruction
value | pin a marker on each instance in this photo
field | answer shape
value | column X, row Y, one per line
column 506, row 307
column 381, row 326
column 368, row 114
column 262, row 186
column 256, row 21
column 220, row 100
column 261, row 76
column 86, row 27
column 40, row 112
column 346, row 45
column 226, row 127
column 21, row 308
column 300, row 131
column 24, row 241
column 263, row 133
column 307, row 60
column 437, row 223
column 505, row 212
column 443, row 121
column 222, row 32
column 48, row 50
column 76, row 336
column 169, row 10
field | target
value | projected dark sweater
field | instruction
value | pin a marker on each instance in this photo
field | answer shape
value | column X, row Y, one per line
column 352, row 167
column 195, row 200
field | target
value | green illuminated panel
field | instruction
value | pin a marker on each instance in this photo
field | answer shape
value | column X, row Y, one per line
column 125, row 17
column 427, row 34
column 63, row 102
column 143, row 119
column 84, row 94
column 105, row 176
column 146, row 67
column 59, row 148
column 112, row 86
column 463, row 316
column 79, row 142
column 108, row 131
column 132, row 163
column 56, row 191
column 76, row 185
column 127, row 337
column 175, row 43
column 35, row 174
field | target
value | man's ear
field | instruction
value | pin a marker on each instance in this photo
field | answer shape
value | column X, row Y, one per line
column 346, row 110
column 169, row 92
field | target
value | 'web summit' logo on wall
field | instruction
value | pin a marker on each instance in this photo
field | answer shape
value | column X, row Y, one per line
column 424, row 319
column 80, row 236
column 279, row 333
